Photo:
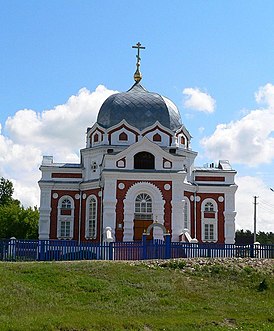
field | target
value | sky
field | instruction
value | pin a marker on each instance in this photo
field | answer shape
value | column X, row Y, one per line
column 60, row 60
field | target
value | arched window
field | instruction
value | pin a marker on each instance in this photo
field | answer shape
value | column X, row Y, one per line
column 65, row 218
column 91, row 222
column 209, row 221
column 183, row 141
column 66, row 204
column 143, row 207
column 96, row 138
column 157, row 137
column 144, row 160
column 209, row 206
column 123, row 136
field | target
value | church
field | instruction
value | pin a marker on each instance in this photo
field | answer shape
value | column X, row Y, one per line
column 137, row 175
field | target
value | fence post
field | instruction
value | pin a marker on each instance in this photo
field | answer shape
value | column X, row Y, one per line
column 144, row 243
column 110, row 250
column 252, row 250
column 12, row 249
column 167, row 246
column 41, row 252
column 208, row 252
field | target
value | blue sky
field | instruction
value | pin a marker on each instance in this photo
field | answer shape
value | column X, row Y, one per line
column 216, row 51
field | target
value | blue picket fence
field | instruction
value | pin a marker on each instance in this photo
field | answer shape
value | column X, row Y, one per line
column 68, row 250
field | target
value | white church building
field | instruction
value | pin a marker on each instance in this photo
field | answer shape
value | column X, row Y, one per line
column 137, row 169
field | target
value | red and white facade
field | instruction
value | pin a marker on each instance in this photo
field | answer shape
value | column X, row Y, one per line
column 128, row 179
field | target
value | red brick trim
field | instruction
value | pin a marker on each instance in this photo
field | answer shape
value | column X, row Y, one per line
column 209, row 179
column 155, row 128
column 96, row 129
column 65, row 175
column 209, row 215
column 65, row 211
column 54, row 213
column 123, row 126
column 221, row 208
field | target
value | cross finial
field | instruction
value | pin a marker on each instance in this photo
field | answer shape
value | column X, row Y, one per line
column 138, row 75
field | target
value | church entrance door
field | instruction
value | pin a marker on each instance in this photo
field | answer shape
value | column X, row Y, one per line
column 140, row 226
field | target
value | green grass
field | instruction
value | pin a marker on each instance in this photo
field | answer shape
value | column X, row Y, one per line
column 170, row 295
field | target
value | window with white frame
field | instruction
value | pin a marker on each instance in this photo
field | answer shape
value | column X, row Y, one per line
column 91, row 223
column 209, row 232
column 209, row 207
column 143, row 207
column 66, row 204
column 65, row 218
column 209, row 221
column 65, row 228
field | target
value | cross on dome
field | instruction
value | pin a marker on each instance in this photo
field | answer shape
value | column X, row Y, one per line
column 137, row 74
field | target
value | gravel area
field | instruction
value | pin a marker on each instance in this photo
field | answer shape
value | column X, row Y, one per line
column 260, row 265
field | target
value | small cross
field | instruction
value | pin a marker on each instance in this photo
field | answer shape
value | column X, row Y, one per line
column 138, row 75
column 138, row 46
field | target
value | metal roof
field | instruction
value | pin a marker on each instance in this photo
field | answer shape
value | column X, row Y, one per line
column 139, row 108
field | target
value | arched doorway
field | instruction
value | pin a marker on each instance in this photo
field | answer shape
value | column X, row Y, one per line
column 158, row 225
column 154, row 209
column 143, row 216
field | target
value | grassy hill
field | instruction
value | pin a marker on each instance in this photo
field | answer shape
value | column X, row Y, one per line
column 197, row 294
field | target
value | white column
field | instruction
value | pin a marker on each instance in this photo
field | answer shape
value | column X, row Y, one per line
column 229, row 215
column 45, row 210
column 229, row 227
column 109, row 203
column 158, row 214
column 128, row 223
column 177, row 209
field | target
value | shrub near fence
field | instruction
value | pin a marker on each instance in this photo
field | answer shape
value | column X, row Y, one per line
column 69, row 250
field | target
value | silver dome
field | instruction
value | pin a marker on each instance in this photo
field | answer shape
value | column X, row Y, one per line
column 139, row 108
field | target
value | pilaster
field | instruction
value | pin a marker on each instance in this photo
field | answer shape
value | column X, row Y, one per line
column 109, row 203
column 45, row 210
column 229, row 215
column 177, row 209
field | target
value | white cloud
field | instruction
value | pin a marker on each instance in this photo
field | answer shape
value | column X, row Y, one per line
column 265, row 95
column 249, row 140
column 59, row 132
column 248, row 187
column 198, row 100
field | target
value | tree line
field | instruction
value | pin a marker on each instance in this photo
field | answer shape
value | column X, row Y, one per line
column 245, row 237
column 16, row 220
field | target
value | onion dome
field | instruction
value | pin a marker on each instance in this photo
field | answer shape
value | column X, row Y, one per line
column 140, row 109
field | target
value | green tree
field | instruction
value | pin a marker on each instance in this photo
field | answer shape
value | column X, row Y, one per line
column 15, row 220
column 265, row 237
column 18, row 222
column 246, row 237
column 243, row 237
column 6, row 191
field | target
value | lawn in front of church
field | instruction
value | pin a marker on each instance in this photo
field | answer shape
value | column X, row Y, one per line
column 161, row 295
